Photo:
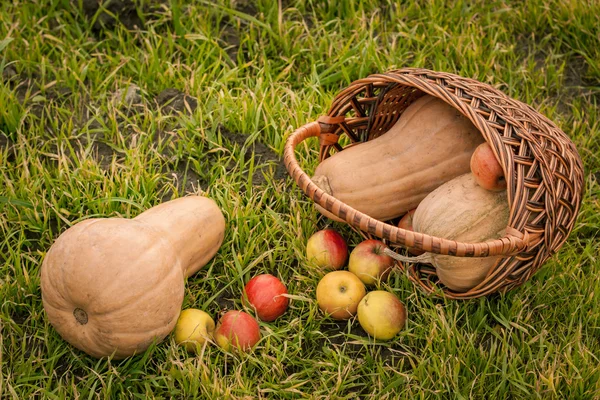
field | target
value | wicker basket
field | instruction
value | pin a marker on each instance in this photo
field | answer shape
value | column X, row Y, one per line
column 543, row 170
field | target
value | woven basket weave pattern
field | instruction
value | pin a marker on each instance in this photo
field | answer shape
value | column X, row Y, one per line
column 543, row 170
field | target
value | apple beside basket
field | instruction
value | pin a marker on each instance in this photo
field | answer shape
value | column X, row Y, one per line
column 543, row 170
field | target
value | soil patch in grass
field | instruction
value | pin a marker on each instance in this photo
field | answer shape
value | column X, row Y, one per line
column 172, row 101
column 64, row 368
column 336, row 334
column 29, row 93
column 18, row 318
column 7, row 144
column 184, row 179
column 34, row 236
column 225, row 301
column 268, row 165
column 574, row 83
column 231, row 40
column 101, row 152
column 264, row 157
column 124, row 11
column 127, row 96
column 247, row 7
column 9, row 74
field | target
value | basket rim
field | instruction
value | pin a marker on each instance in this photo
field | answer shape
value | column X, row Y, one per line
column 512, row 243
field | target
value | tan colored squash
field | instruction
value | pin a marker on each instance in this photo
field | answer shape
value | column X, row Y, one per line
column 114, row 286
column 384, row 178
column 461, row 210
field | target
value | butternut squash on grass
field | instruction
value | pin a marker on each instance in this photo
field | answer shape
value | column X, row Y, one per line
column 113, row 286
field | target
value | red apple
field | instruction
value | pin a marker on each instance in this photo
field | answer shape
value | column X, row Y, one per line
column 339, row 293
column 327, row 249
column 486, row 169
column 237, row 330
column 406, row 223
column 369, row 263
column 265, row 293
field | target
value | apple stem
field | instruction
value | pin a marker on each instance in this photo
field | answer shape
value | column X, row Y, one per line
column 423, row 258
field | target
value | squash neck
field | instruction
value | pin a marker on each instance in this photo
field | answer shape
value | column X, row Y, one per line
column 193, row 225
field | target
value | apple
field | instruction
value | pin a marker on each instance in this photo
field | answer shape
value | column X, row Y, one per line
column 237, row 330
column 193, row 328
column 406, row 223
column 486, row 169
column 381, row 314
column 266, row 294
column 327, row 249
column 339, row 293
column 369, row 263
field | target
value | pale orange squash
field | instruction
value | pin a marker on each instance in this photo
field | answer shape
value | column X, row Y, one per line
column 113, row 286
column 461, row 210
column 431, row 143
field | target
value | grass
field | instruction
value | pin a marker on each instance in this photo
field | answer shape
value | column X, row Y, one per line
column 68, row 151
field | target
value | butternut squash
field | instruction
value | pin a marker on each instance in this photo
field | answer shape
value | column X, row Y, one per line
column 384, row 178
column 461, row 210
column 113, row 286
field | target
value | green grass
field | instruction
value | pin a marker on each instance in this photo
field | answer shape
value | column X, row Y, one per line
column 68, row 153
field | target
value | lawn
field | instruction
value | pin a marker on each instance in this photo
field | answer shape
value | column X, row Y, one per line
column 102, row 117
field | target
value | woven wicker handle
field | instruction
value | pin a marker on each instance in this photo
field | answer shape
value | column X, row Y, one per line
column 514, row 241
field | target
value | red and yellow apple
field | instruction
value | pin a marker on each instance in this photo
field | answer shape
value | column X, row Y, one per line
column 381, row 314
column 266, row 295
column 486, row 168
column 237, row 330
column 327, row 249
column 369, row 263
column 338, row 294
column 406, row 222
column 193, row 328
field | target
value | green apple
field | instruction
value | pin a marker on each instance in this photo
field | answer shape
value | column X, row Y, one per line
column 381, row 314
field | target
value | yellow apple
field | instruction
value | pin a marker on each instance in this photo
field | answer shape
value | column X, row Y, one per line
column 193, row 328
column 381, row 314
column 369, row 263
column 339, row 293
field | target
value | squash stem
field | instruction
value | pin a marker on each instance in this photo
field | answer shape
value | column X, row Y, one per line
column 423, row 258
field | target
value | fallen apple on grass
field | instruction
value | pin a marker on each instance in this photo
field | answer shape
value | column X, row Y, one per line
column 237, row 330
column 193, row 328
column 327, row 249
column 381, row 314
column 369, row 263
column 339, row 293
column 266, row 294
column 486, row 168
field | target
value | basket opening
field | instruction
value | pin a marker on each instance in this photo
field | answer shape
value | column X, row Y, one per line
column 421, row 132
